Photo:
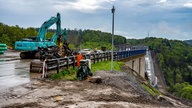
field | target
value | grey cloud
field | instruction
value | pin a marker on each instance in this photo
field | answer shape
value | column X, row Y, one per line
column 133, row 18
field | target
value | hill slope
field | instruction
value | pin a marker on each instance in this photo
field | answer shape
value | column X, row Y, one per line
column 174, row 59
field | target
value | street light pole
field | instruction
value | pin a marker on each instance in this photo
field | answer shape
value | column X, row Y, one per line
column 113, row 11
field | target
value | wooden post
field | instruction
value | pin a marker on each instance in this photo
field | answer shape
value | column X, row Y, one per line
column 101, row 55
column 57, row 65
column 97, row 58
column 109, row 55
column 94, row 58
column 67, row 62
column 89, row 56
column 104, row 56
column 73, row 59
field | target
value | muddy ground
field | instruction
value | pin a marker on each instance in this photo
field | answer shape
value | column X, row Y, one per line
column 117, row 90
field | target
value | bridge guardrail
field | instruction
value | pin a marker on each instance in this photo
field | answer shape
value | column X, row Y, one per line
column 56, row 64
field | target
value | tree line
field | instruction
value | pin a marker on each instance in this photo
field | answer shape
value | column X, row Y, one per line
column 75, row 38
column 10, row 34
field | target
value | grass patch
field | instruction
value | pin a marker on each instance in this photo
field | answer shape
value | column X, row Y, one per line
column 70, row 74
column 153, row 91
column 106, row 65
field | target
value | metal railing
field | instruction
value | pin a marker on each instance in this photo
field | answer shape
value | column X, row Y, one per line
column 43, row 67
column 56, row 64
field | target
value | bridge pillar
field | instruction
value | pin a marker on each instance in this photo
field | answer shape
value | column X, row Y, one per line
column 137, row 63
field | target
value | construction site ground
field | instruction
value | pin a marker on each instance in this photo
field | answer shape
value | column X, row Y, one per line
column 117, row 90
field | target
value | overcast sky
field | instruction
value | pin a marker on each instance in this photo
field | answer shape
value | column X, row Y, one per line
column 170, row 19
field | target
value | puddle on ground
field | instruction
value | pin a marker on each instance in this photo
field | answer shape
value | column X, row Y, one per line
column 13, row 72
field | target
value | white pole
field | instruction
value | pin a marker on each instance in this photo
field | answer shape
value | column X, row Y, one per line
column 113, row 11
column 44, row 69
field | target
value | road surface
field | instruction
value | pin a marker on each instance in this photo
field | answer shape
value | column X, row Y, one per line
column 13, row 71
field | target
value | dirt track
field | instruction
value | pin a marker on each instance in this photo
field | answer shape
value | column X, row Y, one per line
column 117, row 90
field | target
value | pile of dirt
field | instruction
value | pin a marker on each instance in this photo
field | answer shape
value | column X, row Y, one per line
column 117, row 90
column 128, row 83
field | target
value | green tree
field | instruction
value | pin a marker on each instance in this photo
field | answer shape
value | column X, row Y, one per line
column 5, row 39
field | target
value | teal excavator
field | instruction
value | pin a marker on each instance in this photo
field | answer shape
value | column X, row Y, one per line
column 40, row 47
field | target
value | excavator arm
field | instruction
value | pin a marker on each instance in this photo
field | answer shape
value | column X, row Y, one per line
column 45, row 26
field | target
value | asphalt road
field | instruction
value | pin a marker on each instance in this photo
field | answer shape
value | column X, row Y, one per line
column 13, row 71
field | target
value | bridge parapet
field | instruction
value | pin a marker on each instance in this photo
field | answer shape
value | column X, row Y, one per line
column 56, row 64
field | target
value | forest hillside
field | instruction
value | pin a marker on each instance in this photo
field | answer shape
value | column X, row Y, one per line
column 175, row 60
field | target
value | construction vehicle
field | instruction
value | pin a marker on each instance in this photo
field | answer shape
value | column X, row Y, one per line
column 40, row 47
column 3, row 47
